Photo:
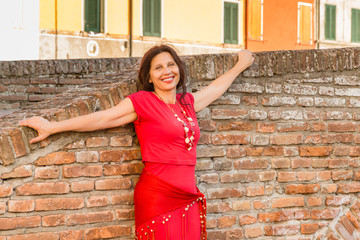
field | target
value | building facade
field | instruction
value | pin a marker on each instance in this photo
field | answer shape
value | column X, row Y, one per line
column 280, row 25
column 339, row 23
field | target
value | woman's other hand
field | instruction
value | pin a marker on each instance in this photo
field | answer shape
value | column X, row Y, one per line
column 41, row 125
column 245, row 59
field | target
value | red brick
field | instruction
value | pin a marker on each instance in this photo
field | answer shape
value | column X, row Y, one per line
column 314, row 201
column 6, row 190
column 236, row 125
column 97, row 201
column 18, row 143
column 50, row 172
column 323, row 175
column 342, row 127
column 288, row 202
column 250, row 100
column 241, row 205
column 251, row 164
column 320, row 163
column 19, row 222
column 6, row 153
column 261, row 204
column 301, row 214
column 76, row 145
column 121, row 141
column 107, row 232
column 354, row 151
column 293, row 127
column 318, row 127
column 253, row 232
column 112, row 184
column 224, row 193
column 82, row 186
column 251, row 151
column 247, row 220
column 97, row 142
column 309, row 228
column 337, row 200
column 225, row 139
column 119, row 155
column 226, row 222
column 302, row 189
column 291, row 151
column 305, row 176
column 239, row 177
column 2, row 207
column 207, row 125
column 87, row 156
column 280, row 163
column 123, row 169
column 35, row 236
column 281, row 230
column 209, row 178
column 210, row 223
column 218, row 207
column 86, row 218
column 74, row 171
column 265, row 127
column 58, row 204
column 275, row 216
column 205, row 138
column 233, row 234
column 273, row 151
column 326, row 214
column 267, row 176
column 341, row 150
column 228, row 113
column 253, row 191
column 313, row 139
column 342, row 175
column 216, row 234
column 301, row 163
column 286, row 176
column 56, row 158
column 72, row 235
column 288, row 139
column 21, row 206
column 329, row 188
column 125, row 214
column 337, row 138
column 123, row 199
column 350, row 187
column 42, row 188
column 315, row 151
column 19, row 172
column 54, row 220
column 338, row 163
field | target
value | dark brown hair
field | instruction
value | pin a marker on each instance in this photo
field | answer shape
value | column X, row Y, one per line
column 144, row 71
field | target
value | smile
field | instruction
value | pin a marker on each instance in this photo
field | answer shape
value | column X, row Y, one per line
column 167, row 79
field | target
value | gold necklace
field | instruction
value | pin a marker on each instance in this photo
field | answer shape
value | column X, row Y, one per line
column 189, row 140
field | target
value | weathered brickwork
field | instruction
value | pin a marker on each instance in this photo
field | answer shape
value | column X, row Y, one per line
column 278, row 156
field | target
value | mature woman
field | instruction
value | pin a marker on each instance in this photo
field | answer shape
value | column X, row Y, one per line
column 168, row 204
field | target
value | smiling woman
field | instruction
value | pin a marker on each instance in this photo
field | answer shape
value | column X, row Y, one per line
column 168, row 204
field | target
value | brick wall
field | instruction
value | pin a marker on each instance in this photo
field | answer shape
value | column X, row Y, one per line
column 278, row 158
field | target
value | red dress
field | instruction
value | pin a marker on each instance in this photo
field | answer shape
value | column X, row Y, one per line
column 167, row 203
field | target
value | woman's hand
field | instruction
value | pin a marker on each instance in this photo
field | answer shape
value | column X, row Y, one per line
column 245, row 59
column 41, row 125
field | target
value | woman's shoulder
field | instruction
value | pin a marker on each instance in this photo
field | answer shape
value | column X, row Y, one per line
column 189, row 98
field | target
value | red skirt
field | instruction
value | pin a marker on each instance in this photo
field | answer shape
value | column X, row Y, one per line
column 162, row 210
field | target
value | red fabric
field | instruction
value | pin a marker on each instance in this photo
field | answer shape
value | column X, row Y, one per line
column 161, row 136
column 154, row 197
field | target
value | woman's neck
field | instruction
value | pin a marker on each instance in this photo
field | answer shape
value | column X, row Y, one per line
column 168, row 97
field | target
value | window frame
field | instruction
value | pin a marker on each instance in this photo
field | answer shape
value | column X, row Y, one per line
column 238, row 21
column 160, row 34
column 326, row 33
column 101, row 17
column 311, row 24
column 354, row 10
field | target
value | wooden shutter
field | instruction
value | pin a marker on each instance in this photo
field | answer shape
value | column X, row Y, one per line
column 330, row 22
column 152, row 18
column 255, row 20
column 355, row 25
column 231, row 19
column 93, row 15
column 305, row 24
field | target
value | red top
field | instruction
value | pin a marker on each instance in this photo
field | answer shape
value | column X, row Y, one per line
column 161, row 135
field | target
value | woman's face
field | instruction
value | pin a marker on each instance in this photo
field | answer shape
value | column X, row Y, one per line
column 164, row 72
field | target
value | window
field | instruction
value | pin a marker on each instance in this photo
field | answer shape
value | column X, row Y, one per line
column 305, row 23
column 355, row 25
column 231, row 34
column 94, row 15
column 330, row 22
column 152, row 18
column 255, row 23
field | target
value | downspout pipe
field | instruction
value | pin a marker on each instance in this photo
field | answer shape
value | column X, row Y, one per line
column 317, row 6
column 245, row 23
column 130, row 26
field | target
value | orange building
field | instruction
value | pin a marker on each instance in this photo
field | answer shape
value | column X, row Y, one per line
column 280, row 25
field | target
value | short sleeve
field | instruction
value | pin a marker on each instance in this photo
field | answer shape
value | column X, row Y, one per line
column 137, row 101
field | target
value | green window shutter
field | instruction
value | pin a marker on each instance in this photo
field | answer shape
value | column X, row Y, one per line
column 231, row 23
column 93, row 15
column 355, row 25
column 330, row 22
column 152, row 18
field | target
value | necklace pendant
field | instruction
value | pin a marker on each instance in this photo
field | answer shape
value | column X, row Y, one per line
column 187, row 140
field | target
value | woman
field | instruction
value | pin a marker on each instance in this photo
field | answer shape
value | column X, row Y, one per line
column 167, row 203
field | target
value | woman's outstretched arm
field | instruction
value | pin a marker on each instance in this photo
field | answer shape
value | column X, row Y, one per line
column 219, row 86
column 121, row 114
